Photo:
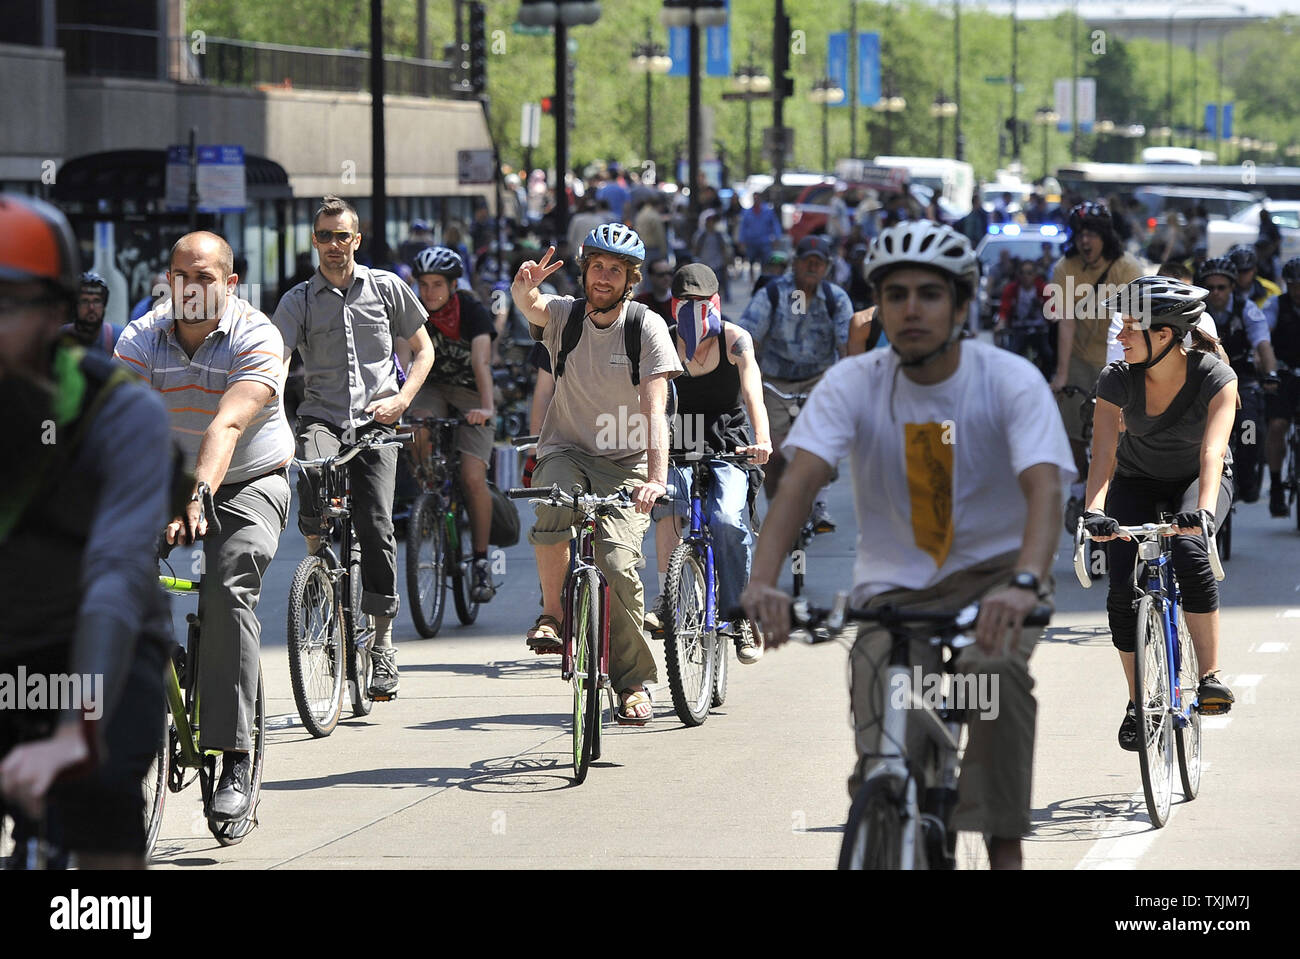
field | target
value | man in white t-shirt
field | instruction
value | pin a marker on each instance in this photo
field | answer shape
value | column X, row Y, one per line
column 958, row 458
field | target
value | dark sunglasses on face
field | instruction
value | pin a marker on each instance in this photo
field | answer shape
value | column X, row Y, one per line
column 334, row 236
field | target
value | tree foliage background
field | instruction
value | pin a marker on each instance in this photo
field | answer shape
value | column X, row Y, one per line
column 918, row 60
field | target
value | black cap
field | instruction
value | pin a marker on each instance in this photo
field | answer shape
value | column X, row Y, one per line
column 811, row 245
column 694, row 279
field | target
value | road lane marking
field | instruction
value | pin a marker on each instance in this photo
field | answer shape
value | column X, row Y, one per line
column 1119, row 849
column 1247, row 679
column 1215, row 722
column 1273, row 648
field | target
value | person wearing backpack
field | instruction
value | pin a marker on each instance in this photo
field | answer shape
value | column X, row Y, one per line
column 800, row 326
column 606, row 429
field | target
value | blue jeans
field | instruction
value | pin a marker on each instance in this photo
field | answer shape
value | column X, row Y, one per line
column 724, row 507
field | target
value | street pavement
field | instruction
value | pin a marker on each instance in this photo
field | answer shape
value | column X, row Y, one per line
column 471, row 766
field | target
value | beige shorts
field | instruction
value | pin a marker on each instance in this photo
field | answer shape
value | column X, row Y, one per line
column 779, row 417
column 1083, row 375
column 442, row 400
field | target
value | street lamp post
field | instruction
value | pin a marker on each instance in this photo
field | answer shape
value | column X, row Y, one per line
column 649, row 58
column 940, row 109
column 958, row 141
column 1044, row 117
column 751, row 84
column 826, row 91
column 889, row 105
column 694, row 14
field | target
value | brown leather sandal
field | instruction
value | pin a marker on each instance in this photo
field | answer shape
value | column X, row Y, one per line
column 544, row 637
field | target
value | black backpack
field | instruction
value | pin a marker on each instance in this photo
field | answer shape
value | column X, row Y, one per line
column 631, row 336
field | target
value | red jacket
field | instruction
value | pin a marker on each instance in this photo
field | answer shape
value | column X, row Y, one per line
column 1011, row 293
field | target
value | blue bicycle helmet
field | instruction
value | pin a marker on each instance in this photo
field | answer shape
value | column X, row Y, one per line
column 616, row 238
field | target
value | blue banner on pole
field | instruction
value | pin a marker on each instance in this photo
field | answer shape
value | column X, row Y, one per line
column 679, row 48
column 717, row 44
column 1227, row 120
column 868, row 69
column 1212, row 120
column 837, row 64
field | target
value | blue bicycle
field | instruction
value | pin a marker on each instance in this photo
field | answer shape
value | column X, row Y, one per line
column 695, row 651
column 1165, row 671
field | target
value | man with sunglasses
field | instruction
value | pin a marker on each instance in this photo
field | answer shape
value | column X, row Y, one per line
column 346, row 322
column 1243, row 331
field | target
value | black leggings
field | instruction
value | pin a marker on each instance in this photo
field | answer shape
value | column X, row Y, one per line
column 1133, row 500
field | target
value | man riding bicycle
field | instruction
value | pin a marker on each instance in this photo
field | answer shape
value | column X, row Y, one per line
column 1243, row 331
column 84, row 491
column 1177, row 408
column 217, row 359
column 1282, row 406
column 89, row 328
column 720, row 383
column 605, row 430
column 346, row 322
column 958, row 458
column 460, row 382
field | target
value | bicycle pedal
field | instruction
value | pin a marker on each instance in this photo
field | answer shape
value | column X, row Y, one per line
column 384, row 699
column 1213, row 709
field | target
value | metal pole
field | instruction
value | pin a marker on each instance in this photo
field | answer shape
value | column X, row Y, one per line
column 778, row 122
column 561, row 111
column 422, row 29
column 1169, row 79
column 749, row 134
column 1074, row 92
column 959, row 142
column 826, row 149
column 193, row 197
column 378, row 166
column 693, row 148
column 649, row 119
column 1015, row 56
column 1218, row 97
column 1044, row 150
column 1196, row 123
column 853, row 79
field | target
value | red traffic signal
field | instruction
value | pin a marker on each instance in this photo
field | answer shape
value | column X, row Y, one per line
column 547, row 105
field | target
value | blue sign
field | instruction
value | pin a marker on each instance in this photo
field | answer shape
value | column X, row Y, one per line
column 837, row 64
column 868, row 69
column 1212, row 120
column 717, row 45
column 1227, row 120
column 219, row 177
column 679, row 48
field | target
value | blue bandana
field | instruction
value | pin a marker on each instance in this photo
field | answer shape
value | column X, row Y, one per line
column 697, row 320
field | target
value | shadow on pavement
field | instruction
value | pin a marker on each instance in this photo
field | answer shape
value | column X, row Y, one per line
column 1078, row 635
column 407, row 776
column 1088, row 818
column 505, row 669
column 487, row 723
column 531, row 773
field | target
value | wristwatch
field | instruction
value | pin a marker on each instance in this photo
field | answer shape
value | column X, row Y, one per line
column 1025, row 580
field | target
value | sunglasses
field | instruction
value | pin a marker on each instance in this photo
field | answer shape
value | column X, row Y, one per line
column 334, row 236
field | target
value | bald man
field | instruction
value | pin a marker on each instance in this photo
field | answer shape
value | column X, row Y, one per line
column 218, row 362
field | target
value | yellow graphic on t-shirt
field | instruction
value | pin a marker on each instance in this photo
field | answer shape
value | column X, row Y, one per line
column 929, row 486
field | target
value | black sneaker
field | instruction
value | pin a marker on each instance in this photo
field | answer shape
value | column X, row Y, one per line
column 657, row 615
column 1128, row 729
column 821, row 518
column 234, row 795
column 1213, row 695
column 383, row 674
column 1277, row 501
column 481, row 589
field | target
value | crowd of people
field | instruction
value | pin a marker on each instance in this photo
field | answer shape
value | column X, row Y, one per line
column 627, row 314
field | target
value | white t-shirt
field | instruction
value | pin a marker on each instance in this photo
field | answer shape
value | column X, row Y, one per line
column 936, row 483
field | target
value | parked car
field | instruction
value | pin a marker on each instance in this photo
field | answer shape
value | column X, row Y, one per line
column 1221, row 235
column 1022, row 242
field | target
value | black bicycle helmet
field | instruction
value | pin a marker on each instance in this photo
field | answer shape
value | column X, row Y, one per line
column 438, row 259
column 1291, row 270
column 1218, row 266
column 1159, row 301
column 94, row 282
column 1243, row 257
column 1091, row 216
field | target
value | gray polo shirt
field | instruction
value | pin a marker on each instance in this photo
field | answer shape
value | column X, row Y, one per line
column 345, row 338
column 244, row 346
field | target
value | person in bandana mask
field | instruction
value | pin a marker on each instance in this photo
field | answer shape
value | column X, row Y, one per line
column 460, row 382
column 721, row 384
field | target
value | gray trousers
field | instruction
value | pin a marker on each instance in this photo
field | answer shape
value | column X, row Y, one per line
column 373, row 476
column 252, row 516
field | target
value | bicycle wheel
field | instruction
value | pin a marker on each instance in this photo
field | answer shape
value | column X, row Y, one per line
column 360, row 629
column 1155, row 739
column 1188, row 737
column 155, row 788
column 229, row 833
column 459, row 564
column 688, row 646
column 586, row 672
column 721, row 668
column 873, row 834
column 316, row 647
column 426, row 554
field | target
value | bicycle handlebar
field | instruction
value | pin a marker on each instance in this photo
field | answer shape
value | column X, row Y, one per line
column 376, row 441
column 1145, row 531
column 522, row 443
column 204, row 491
column 582, row 502
column 695, row 456
column 799, row 398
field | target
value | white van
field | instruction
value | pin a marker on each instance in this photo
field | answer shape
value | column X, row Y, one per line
column 953, row 180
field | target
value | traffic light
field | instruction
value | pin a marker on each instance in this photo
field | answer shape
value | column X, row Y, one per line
column 477, row 48
column 537, row 13
column 570, row 93
column 548, row 105
column 784, row 84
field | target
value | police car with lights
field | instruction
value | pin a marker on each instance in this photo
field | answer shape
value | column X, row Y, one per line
column 1021, row 242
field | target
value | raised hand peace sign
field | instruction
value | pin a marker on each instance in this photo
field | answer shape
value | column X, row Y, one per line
column 531, row 274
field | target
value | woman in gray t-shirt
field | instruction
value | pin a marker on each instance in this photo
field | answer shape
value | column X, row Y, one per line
column 1175, row 408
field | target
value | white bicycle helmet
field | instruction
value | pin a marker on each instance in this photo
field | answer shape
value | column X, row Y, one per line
column 439, row 259
column 923, row 243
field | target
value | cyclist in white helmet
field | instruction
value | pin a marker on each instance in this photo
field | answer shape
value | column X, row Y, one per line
column 958, row 459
